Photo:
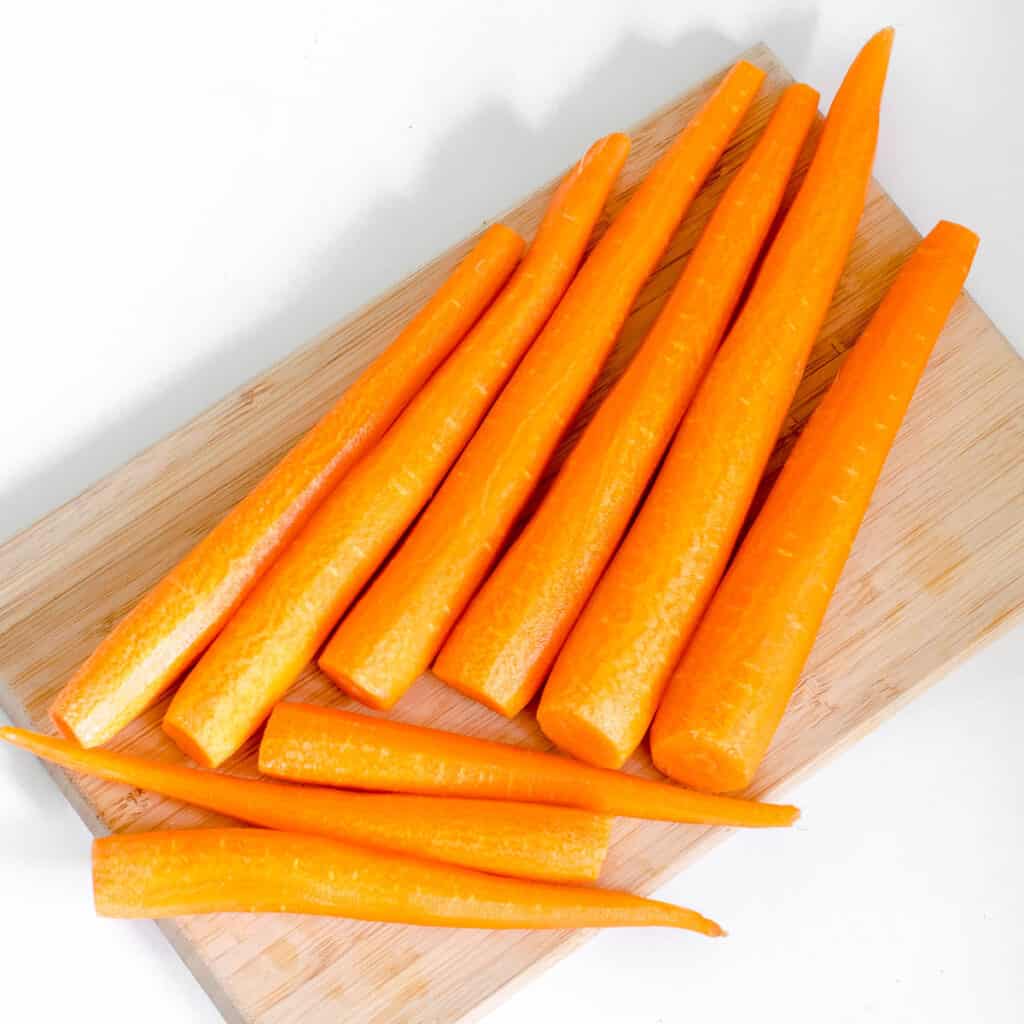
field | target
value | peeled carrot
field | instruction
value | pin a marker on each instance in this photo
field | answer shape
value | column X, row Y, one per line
column 396, row 628
column 610, row 674
column 504, row 645
column 207, row 871
column 337, row 748
column 176, row 620
column 521, row 839
column 727, row 697
column 282, row 623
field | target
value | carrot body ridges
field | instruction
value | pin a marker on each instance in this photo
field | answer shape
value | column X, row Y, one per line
column 167, row 874
column 630, row 635
column 728, row 694
column 304, row 743
column 503, row 646
column 179, row 617
column 278, row 629
column 520, row 839
column 396, row 628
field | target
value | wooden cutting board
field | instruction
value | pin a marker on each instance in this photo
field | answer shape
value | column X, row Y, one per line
column 938, row 569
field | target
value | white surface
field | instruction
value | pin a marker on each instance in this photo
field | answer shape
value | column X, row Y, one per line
column 187, row 194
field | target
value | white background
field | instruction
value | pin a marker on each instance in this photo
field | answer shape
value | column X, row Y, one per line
column 187, row 194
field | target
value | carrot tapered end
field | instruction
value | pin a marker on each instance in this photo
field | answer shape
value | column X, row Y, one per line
column 862, row 85
column 879, row 47
column 698, row 923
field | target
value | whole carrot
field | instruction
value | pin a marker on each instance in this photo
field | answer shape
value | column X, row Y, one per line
column 726, row 698
column 337, row 748
column 282, row 623
column 206, row 871
column 176, row 620
column 394, row 631
column 607, row 681
column 521, row 839
column 504, row 645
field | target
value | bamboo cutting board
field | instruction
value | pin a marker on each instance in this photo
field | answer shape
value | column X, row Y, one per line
column 938, row 569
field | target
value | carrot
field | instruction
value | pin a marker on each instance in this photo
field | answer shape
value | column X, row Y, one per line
column 207, row 871
column 176, row 620
column 280, row 626
column 520, row 839
column 727, row 697
column 610, row 674
column 502, row 648
column 337, row 748
column 396, row 628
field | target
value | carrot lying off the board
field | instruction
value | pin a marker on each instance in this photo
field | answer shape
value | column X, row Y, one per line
column 284, row 620
column 726, row 698
column 176, row 620
column 520, row 839
column 337, row 748
column 504, row 645
column 607, row 681
column 396, row 628
column 206, row 871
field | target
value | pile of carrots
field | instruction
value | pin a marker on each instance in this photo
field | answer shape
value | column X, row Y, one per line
column 626, row 601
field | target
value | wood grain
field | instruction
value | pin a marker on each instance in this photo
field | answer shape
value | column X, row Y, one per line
column 937, row 570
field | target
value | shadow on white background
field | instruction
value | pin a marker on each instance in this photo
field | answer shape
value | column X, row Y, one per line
column 483, row 165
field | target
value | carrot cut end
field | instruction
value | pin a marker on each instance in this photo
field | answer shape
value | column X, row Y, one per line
column 188, row 745
column 701, row 763
column 346, row 683
column 618, row 142
column 573, row 733
column 778, row 815
column 66, row 729
column 507, row 706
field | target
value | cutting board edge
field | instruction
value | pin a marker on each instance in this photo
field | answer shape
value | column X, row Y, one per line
column 714, row 836
column 189, row 952
column 232, row 1014
column 450, row 254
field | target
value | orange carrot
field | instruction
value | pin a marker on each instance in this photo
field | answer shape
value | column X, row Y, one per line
column 282, row 623
column 394, row 631
column 607, row 681
column 176, row 620
column 504, row 645
column 206, row 871
column 725, row 700
column 507, row 838
column 337, row 748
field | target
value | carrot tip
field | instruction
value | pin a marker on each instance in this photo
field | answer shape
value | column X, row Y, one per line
column 712, row 929
column 884, row 39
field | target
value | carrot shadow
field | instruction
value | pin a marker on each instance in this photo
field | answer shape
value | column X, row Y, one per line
column 484, row 165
